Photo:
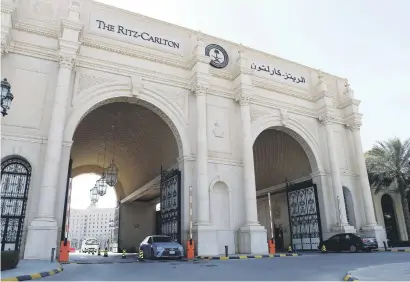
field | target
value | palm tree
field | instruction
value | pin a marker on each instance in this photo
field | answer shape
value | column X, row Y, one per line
column 388, row 163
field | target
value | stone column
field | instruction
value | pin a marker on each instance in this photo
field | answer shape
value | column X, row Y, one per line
column 202, row 157
column 327, row 121
column 55, row 140
column 248, row 165
column 363, row 177
column 42, row 232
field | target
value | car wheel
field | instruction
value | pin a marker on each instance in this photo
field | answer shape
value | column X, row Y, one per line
column 353, row 248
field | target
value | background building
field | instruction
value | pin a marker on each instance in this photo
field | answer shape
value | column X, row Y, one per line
column 91, row 222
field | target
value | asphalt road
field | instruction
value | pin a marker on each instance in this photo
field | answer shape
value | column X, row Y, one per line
column 307, row 267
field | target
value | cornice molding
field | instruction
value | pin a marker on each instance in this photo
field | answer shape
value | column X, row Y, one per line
column 34, row 51
column 47, row 32
column 23, row 138
column 7, row 9
column 137, row 52
column 347, row 103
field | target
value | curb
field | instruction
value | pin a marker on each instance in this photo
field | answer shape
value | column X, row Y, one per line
column 349, row 277
column 398, row 250
column 249, row 257
column 96, row 262
column 34, row 276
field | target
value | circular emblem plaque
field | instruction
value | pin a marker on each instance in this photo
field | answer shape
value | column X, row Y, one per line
column 218, row 55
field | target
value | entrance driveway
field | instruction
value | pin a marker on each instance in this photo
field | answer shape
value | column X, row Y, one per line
column 307, row 267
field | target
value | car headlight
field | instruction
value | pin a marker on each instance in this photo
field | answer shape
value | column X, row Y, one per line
column 160, row 249
column 181, row 249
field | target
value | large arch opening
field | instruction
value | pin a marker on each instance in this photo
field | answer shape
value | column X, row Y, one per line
column 390, row 221
column 283, row 169
column 141, row 145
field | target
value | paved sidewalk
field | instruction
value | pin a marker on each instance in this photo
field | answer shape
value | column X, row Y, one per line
column 31, row 269
column 384, row 272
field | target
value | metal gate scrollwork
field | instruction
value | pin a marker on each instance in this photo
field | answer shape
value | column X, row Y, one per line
column 170, row 192
column 304, row 216
column 15, row 182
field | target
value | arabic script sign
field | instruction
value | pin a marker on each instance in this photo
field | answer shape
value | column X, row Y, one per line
column 138, row 35
column 278, row 73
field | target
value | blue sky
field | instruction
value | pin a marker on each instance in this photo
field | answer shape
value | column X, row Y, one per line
column 366, row 41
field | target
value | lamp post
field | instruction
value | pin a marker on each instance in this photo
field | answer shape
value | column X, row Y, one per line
column 6, row 96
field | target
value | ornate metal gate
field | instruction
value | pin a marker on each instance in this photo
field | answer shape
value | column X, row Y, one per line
column 15, row 181
column 304, row 216
column 171, row 203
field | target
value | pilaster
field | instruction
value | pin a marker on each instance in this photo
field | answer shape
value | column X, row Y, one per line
column 204, row 231
column 252, row 236
column 353, row 124
column 43, row 230
column 7, row 15
column 327, row 119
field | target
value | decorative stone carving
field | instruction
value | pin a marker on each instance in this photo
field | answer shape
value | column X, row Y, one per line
column 348, row 91
column 85, row 81
column 321, row 87
column 242, row 61
column 326, row 119
column 354, row 125
column 218, row 131
column 6, row 14
column 244, row 100
column 137, row 85
column 257, row 113
column 178, row 99
column 67, row 62
column 199, row 89
column 198, row 53
column 284, row 116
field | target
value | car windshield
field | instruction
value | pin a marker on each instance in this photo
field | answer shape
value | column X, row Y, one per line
column 161, row 239
column 91, row 242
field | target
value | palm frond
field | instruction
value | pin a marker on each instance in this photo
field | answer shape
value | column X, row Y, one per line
column 388, row 161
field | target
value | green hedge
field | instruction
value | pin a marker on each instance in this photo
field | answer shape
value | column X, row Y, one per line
column 9, row 259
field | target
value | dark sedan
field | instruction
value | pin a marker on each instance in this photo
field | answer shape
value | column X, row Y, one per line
column 348, row 242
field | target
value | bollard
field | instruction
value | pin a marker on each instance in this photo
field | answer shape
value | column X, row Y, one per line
column 271, row 246
column 226, row 251
column 53, row 250
column 190, row 249
column 385, row 246
column 294, row 248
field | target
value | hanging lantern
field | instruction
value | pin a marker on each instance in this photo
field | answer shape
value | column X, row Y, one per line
column 6, row 96
column 94, row 194
column 101, row 186
column 111, row 174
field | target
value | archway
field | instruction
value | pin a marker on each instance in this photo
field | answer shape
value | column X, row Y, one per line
column 349, row 206
column 283, row 168
column 15, row 184
column 390, row 221
column 88, row 220
column 140, row 144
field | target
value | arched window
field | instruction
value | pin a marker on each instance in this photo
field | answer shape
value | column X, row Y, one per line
column 15, row 182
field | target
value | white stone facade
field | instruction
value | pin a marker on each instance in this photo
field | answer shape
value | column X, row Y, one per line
column 66, row 58
column 91, row 223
